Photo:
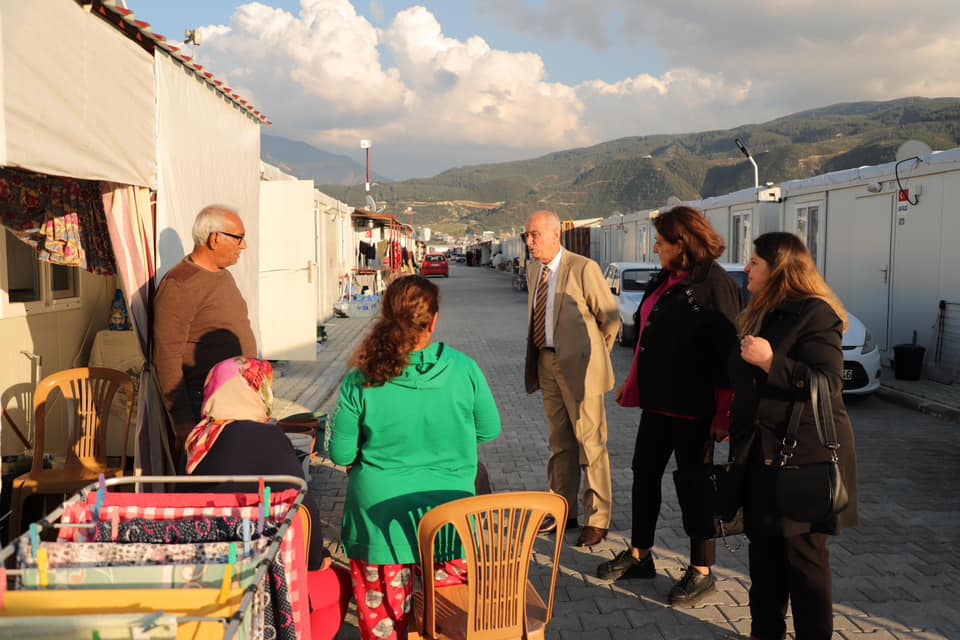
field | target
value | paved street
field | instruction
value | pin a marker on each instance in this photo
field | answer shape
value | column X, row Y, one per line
column 895, row 575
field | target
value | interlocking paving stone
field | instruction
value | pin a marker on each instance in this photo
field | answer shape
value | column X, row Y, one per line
column 894, row 576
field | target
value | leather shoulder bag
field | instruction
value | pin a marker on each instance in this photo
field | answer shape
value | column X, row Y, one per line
column 811, row 492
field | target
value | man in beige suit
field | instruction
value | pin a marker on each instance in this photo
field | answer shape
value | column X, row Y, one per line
column 572, row 324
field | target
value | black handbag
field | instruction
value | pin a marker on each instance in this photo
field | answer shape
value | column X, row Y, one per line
column 811, row 492
column 711, row 498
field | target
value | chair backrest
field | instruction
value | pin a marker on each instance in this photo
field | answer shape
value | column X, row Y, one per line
column 498, row 533
column 88, row 393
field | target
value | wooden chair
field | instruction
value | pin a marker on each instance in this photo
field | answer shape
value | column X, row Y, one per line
column 88, row 393
column 498, row 532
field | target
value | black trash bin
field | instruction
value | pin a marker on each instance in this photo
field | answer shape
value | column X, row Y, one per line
column 908, row 361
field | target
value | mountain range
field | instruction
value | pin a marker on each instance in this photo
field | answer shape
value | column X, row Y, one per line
column 641, row 172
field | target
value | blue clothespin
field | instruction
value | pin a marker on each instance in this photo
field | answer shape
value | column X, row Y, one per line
column 101, row 496
column 34, row 539
column 247, row 534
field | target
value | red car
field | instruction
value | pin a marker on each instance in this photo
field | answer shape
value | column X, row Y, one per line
column 435, row 264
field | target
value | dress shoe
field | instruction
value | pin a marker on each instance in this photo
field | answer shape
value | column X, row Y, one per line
column 691, row 587
column 549, row 525
column 624, row 565
column 590, row 536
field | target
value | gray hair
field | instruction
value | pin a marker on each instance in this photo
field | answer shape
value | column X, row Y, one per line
column 550, row 217
column 211, row 219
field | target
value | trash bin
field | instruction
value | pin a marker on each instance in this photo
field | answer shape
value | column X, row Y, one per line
column 908, row 361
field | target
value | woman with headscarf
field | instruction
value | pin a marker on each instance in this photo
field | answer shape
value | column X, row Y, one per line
column 409, row 418
column 237, row 435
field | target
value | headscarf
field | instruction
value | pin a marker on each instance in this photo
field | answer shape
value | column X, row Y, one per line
column 236, row 389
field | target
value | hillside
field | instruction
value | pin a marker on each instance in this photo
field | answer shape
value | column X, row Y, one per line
column 643, row 172
column 305, row 161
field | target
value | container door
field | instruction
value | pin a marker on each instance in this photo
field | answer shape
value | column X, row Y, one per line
column 858, row 258
column 288, row 278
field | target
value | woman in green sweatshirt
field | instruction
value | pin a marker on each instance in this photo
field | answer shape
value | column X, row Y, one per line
column 407, row 424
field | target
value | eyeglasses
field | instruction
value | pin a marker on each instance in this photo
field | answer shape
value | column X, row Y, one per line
column 238, row 238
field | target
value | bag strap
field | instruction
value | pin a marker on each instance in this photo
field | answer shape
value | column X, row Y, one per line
column 823, row 410
column 822, row 416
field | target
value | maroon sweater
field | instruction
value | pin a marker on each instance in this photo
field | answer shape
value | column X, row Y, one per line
column 201, row 319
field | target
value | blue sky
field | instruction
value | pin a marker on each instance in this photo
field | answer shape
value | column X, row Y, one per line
column 447, row 83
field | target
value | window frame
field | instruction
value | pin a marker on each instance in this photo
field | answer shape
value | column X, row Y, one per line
column 742, row 234
column 818, row 252
column 48, row 302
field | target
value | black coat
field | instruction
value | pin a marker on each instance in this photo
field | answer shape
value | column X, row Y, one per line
column 682, row 353
column 804, row 334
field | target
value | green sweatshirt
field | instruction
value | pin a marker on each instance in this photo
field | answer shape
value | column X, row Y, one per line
column 413, row 445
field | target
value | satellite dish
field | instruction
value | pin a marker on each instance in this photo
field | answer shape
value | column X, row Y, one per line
column 913, row 149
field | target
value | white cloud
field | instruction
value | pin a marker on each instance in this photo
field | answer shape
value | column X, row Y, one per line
column 328, row 76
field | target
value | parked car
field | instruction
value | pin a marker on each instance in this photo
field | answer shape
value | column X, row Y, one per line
column 435, row 264
column 861, row 357
column 627, row 280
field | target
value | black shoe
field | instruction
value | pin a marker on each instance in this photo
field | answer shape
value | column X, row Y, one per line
column 691, row 587
column 624, row 565
column 549, row 525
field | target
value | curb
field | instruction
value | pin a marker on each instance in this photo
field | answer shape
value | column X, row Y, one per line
column 919, row 403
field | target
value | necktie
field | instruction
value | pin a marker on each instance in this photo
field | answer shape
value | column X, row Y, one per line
column 540, row 309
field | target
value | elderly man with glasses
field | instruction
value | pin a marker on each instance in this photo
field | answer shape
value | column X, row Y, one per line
column 201, row 317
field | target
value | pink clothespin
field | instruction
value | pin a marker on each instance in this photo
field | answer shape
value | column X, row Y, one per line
column 262, row 513
column 114, row 524
column 3, row 586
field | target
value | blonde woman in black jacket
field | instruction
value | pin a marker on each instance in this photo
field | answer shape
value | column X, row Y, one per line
column 793, row 324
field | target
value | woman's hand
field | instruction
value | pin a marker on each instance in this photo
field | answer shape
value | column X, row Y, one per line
column 619, row 393
column 757, row 351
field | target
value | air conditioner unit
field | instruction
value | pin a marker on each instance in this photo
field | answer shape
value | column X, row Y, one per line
column 769, row 194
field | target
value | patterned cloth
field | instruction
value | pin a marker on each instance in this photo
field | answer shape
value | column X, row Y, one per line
column 384, row 594
column 197, row 506
column 236, row 389
column 62, row 218
column 179, row 531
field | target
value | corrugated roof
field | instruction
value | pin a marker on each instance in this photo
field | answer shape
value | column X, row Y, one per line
column 140, row 31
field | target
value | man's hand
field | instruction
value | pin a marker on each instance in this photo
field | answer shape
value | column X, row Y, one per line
column 619, row 392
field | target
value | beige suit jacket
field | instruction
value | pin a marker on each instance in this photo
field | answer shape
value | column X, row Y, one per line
column 585, row 325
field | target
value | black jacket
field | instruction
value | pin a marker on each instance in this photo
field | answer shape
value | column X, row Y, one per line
column 682, row 353
column 805, row 334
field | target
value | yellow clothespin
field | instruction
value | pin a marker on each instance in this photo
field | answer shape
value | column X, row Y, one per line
column 43, row 565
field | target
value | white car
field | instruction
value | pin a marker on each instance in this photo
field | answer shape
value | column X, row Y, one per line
column 627, row 281
column 861, row 357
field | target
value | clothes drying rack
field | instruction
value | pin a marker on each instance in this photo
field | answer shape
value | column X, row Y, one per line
column 114, row 564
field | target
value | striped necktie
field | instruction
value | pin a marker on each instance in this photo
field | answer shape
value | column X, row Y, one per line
column 540, row 309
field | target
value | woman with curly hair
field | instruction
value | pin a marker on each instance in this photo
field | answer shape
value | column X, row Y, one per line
column 407, row 423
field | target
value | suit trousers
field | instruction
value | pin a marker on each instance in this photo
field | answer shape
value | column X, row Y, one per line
column 795, row 568
column 657, row 437
column 578, row 441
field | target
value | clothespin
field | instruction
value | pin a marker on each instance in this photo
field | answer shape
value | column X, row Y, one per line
column 261, row 514
column 101, row 496
column 266, row 501
column 114, row 524
column 247, row 527
column 228, row 573
column 96, row 635
column 43, row 564
column 3, row 585
column 151, row 621
column 34, row 539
